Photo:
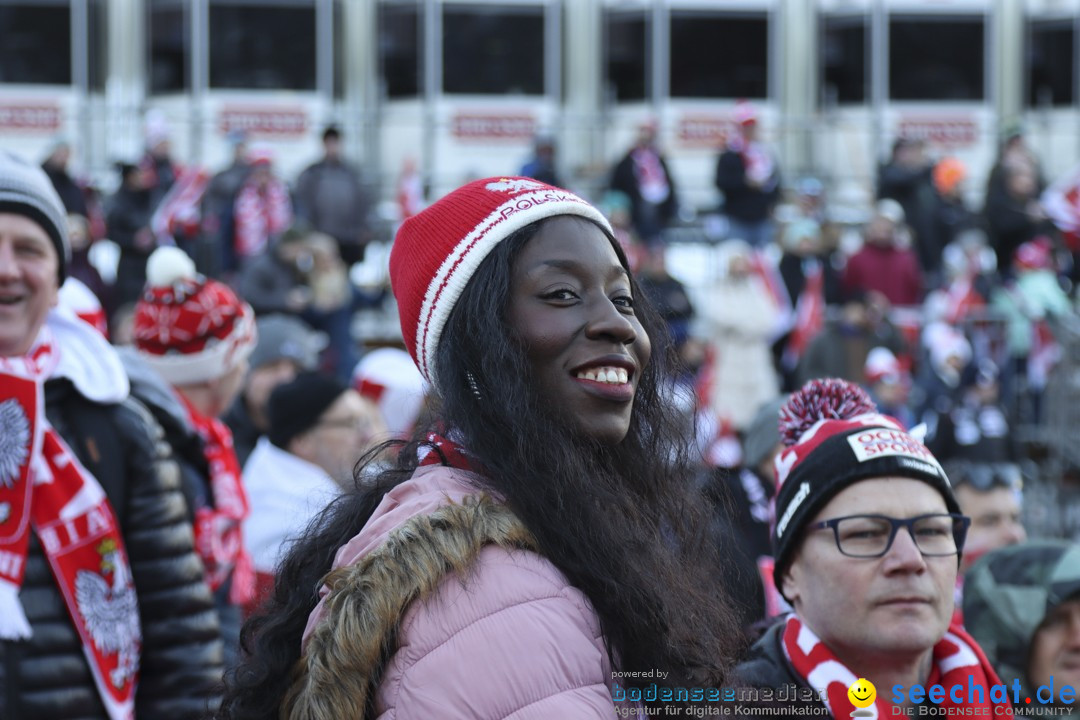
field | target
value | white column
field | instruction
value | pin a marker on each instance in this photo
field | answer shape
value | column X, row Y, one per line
column 431, row 42
column 1006, row 51
column 360, row 48
column 198, row 17
column 797, row 82
column 879, row 83
column 580, row 150
column 125, row 89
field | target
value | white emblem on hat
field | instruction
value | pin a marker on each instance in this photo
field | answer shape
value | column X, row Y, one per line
column 514, row 185
column 804, row 492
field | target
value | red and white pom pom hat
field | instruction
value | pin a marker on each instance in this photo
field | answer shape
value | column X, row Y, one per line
column 834, row 438
column 437, row 251
column 188, row 328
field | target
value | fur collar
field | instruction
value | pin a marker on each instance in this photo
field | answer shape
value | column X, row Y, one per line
column 337, row 675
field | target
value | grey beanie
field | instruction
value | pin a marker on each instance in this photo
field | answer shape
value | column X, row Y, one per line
column 763, row 434
column 25, row 189
column 287, row 337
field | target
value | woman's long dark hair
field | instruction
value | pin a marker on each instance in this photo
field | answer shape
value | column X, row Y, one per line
column 624, row 523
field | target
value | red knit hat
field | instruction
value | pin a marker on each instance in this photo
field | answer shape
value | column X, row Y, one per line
column 188, row 328
column 437, row 251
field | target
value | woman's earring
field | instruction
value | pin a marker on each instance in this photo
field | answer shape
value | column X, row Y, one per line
column 472, row 385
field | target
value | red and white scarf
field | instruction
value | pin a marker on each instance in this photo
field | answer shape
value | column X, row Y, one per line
column 441, row 450
column 218, row 538
column 259, row 215
column 43, row 485
column 652, row 180
column 957, row 659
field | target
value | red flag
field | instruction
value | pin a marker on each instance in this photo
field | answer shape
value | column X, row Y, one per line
column 809, row 316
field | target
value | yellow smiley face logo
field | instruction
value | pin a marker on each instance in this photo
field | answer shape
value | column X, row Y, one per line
column 862, row 693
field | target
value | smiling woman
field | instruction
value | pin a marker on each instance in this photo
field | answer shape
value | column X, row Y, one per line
column 537, row 538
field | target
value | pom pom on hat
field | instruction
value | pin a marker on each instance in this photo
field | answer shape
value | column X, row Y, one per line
column 169, row 265
column 828, row 399
column 188, row 328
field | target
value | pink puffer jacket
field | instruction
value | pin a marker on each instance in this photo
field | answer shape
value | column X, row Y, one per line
column 510, row 639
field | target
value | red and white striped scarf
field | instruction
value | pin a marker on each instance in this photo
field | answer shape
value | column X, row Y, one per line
column 43, row 485
column 957, row 660
column 178, row 212
column 261, row 214
column 809, row 315
column 652, row 180
column 218, row 538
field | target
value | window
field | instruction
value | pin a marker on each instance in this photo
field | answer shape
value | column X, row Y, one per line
column 493, row 50
column 936, row 57
column 36, row 46
column 843, row 60
column 263, row 45
column 627, row 54
column 399, row 50
column 719, row 55
column 170, row 45
column 1050, row 63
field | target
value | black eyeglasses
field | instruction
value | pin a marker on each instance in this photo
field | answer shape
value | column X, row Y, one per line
column 871, row 536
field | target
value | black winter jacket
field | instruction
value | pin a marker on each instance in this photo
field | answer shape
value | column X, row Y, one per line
column 767, row 668
column 741, row 201
column 47, row 677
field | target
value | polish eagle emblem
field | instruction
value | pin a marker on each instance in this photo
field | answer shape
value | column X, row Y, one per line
column 111, row 612
column 14, row 441
column 514, row 185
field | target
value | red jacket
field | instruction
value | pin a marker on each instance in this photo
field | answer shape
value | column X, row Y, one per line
column 889, row 270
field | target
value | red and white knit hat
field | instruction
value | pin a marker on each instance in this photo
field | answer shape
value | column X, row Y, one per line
column 389, row 378
column 437, row 251
column 188, row 328
column 834, row 438
column 84, row 304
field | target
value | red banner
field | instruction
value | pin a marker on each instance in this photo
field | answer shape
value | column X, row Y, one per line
column 264, row 120
column 31, row 116
column 704, row 131
column 493, row 126
column 945, row 130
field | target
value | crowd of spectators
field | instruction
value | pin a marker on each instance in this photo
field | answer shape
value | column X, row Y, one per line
column 951, row 317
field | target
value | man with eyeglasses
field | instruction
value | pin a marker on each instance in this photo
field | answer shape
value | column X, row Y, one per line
column 319, row 428
column 867, row 540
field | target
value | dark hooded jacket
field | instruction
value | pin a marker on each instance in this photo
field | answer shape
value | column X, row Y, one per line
column 1009, row 591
